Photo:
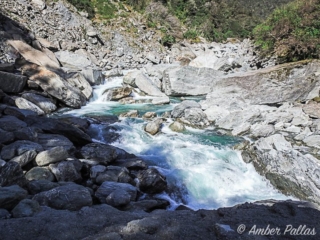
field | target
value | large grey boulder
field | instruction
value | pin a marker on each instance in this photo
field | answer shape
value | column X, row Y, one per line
column 118, row 198
column 32, row 55
column 102, row 153
column 70, row 196
column 107, row 188
column 290, row 171
column 12, row 174
column 78, row 81
column 26, row 208
column 23, row 103
column 68, row 59
column 11, row 196
column 93, row 76
column 54, row 85
column 38, row 186
column 177, row 126
column 130, row 78
column 189, row 81
column 19, row 147
column 12, row 83
column 44, row 103
column 52, row 155
column 146, row 85
column 178, row 110
column 11, row 123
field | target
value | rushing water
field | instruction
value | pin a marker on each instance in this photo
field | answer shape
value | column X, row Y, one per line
column 201, row 168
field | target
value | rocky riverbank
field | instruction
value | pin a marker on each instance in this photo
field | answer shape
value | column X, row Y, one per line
column 57, row 183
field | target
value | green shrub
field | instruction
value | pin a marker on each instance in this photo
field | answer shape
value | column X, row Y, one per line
column 291, row 32
column 168, row 40
column 84, row 5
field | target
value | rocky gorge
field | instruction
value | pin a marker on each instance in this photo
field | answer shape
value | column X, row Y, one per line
column 59, row 182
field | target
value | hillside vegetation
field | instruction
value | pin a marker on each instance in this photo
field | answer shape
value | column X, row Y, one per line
column 292, row 32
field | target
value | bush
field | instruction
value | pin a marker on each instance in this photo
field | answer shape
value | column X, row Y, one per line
column 84, row 5
column 168, row 40
column 291, row 32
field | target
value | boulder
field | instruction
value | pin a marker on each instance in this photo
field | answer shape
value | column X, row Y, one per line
column 152, row 181
column 107, row 188
column 153, row 127
column 115, row 94
column 177, row 126
column 12, row 174
column 32, row 55
column 19, row 147
column 160, row 100
column 78, row 81
column 38, row 186
column 54, row 85
column 12, row 83
column 132, row 164
column 56, row 126
column 44, row 103
column 114, row 174
column 48, row 141
column 6, row 137
column 189, row 81
column 25, row 104
column 28, row 133
column 55, row 154
column 312, row 109
column 19, row 113
column 70, row 196
column 102, row 153
column 11, row 123
column 130, row 114
column 195, row 117
column 7, row 67
column 4, row 214
column 25, row 158
column 149, row 115
column 146, row 85
column 178, row 110
column 40, row 173
column 312, row 141
column 130, row 78
column 93, row 76
column 152, row 57
column 118, row 198
column 69, row 59
column 67, row 171
column 26, row 208
column 11, row 196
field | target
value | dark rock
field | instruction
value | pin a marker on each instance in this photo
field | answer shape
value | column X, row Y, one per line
column 118, row 198
column 19, row 113
column 55, row 154
column 11, row 123
column 105, row 119
column 151, row 181
column 12, row 83
column 12, row 174
column 19, row 147
column 114, row 174
column 7, row 67
column 95, row 170
column 50, row 125
column 6, row 137
column 11, row 196
column 148, row 205
column 27, row 133
column 38, row 186
column 25, row 158
column 49, row 141
column 107, row 188
column 78, row 122
column 102, row 153
column 40, row 173
column 67, row 171
column 26, row 208
column 132, row 164
column 44, row 103
column 71, row 197
column 4, row 214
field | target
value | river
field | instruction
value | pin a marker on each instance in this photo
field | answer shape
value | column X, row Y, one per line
column 202, row 170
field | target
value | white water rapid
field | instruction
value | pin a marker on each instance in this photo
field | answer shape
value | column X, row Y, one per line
column 201, row 168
